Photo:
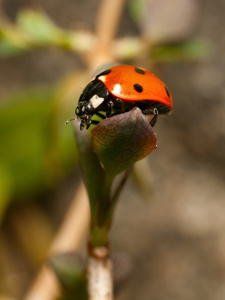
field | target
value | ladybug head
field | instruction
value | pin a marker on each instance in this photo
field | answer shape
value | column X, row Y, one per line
column 89, row 106
column 83, row 108
column 86, row 109
column 92, row 100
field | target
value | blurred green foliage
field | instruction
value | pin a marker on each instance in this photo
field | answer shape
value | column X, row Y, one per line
column 39, row 28
column 36, row 147
column 23, row 128
column 34, row 29
column 183, row 51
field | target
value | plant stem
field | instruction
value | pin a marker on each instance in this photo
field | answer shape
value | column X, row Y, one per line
column 100, row 219
column 100, row 282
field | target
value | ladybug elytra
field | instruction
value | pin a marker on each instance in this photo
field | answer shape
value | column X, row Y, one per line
column 120, row 89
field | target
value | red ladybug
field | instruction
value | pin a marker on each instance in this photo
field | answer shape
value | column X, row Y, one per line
column 120, row 89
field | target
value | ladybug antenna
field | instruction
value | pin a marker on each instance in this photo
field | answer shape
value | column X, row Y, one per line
column 68, row 121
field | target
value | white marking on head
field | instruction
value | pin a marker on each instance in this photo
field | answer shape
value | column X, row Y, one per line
column 102, row 78
column 96, row 101
column 116, row 89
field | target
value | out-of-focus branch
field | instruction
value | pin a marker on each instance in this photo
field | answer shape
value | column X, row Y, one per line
column 106, row 26
column 69, row 238
column 107, row 21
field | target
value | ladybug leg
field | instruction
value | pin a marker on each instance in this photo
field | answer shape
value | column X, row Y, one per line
column 93, row 122
column 109, row 108
column 85, row 121
column 115, row 104
column 82, row 124
column 154, row 119
column 152, row 111
column 100, row 115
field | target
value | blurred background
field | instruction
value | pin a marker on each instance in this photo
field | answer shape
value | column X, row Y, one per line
column 174, row 205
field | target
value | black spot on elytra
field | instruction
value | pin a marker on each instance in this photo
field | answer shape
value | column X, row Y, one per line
column 167, row 91
column 105, row 72
column 139, row 71
column 138, row 88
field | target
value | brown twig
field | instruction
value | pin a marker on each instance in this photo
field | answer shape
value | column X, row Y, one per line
column 106, row 26
column 107, row 21
column 69, row 238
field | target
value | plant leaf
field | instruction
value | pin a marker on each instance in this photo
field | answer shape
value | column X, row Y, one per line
column 122, row 140
column 186, row 51
column 12, row 40
column 39, row 27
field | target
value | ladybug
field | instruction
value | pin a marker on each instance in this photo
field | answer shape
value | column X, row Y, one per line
column 119, row 89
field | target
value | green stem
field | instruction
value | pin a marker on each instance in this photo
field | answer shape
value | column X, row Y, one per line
column 101, row 218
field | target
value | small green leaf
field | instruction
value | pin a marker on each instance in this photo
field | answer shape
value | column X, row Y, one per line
column 190, row 50
column 12, row 40
column 39, row 27
column 10, row 48
column 122, row 140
